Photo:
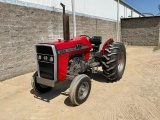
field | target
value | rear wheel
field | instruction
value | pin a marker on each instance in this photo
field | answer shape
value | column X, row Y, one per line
column 39, row 87
column 80, row 89
column 114, row 61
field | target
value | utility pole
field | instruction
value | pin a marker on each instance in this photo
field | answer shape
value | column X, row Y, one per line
column 74, row 18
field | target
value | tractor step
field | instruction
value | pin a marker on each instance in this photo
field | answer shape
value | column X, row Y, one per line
column 94, row 67
column 95, row 64
column 95, row 70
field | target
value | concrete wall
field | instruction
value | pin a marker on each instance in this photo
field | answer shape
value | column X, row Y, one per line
column 23, row 27
column 141, row 31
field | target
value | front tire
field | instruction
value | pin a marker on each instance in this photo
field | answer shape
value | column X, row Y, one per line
column 79, row 89
column 114, row 61
column 39, row 88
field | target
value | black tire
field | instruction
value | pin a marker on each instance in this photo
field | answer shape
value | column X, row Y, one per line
column 39, row 88
column 80, row 89
column 114, row 61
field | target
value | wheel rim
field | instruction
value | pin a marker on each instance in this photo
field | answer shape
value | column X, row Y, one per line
column 121, row 62
column 83, row 90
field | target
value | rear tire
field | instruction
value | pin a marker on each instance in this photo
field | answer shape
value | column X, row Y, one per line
column 79, row 89
column 114, row 61
column 39, row 88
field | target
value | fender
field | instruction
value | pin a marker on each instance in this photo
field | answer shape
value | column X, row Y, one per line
column 106, row 44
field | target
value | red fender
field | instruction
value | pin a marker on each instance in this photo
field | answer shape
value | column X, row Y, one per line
column 106, row 44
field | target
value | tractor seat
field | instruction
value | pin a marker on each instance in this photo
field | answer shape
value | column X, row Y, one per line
column 96, row 41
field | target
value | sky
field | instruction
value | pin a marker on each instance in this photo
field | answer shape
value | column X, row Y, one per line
column 145, row 6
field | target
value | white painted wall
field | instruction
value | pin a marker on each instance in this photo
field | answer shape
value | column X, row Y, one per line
column 98, row 8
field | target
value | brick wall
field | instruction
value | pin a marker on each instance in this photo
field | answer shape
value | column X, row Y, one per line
column 141, row 31
column 23, row 27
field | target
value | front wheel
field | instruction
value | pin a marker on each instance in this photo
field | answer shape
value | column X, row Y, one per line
column 114, row 61
column 39, row 88
column 80, row 89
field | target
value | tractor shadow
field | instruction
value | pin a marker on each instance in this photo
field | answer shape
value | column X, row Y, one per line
column 99, row 77
column 62, row 87
column 55, row 92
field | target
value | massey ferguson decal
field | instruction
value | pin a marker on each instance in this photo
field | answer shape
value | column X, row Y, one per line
column 77, row 47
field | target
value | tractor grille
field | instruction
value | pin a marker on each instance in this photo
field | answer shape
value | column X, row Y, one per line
column 45, row 60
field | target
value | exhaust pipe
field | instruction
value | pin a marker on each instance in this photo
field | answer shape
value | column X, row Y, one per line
column 66, row 32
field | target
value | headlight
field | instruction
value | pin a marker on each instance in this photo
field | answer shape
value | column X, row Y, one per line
column 51, row 59
column 39, row 57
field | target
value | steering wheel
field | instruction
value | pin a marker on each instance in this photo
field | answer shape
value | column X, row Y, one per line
column 86, row 36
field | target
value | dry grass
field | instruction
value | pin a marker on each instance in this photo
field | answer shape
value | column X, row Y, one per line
column 156, row 48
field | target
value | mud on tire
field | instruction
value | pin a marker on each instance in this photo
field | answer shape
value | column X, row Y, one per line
column 114, row 61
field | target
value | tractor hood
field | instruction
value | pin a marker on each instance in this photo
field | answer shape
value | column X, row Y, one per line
column 77, row 43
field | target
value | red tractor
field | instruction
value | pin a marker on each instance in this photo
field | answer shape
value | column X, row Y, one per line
column 61, row 60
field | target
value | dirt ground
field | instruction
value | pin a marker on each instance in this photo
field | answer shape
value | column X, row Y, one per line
column 135, row 97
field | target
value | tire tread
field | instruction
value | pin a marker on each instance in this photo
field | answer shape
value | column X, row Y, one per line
column 110, row 61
